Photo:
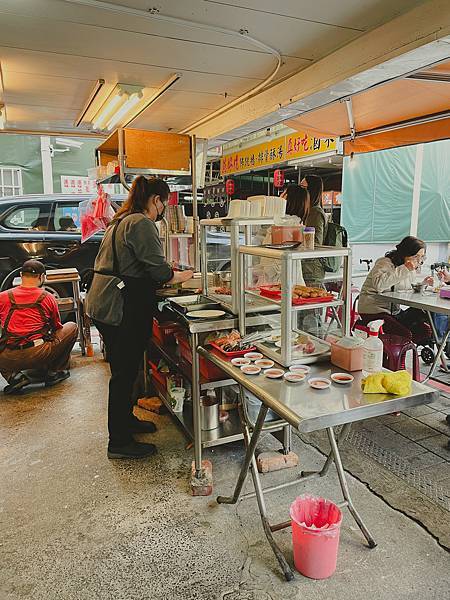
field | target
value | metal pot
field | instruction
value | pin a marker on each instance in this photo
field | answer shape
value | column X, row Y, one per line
column 210, row 413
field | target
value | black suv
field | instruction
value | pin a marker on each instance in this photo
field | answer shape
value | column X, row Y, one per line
column 45, row 227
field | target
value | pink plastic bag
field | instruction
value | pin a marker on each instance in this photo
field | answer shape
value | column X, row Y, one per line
column 95, row 214
column 316, row 525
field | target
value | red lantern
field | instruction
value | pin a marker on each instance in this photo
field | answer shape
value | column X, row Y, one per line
column 278, row 178
column 229, row 186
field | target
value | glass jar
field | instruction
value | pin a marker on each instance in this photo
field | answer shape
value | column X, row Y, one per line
column 308, row 238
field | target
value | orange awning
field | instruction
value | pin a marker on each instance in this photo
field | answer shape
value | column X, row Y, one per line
column 384, row 116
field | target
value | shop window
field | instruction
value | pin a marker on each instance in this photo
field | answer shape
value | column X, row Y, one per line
column 10, row 181
column 67, row 217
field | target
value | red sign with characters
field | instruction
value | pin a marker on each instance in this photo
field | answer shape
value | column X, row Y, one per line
column 229, row 187
column 278, row 178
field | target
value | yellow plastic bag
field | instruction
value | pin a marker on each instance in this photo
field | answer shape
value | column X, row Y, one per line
column 398, row 383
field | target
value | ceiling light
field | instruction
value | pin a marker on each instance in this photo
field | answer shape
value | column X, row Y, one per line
column 114, row 103
column 124, row 109
column 92, row 97
column 2, row 116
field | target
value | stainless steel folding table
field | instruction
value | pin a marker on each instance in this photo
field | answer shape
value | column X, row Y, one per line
column 430, row 302
column 307, row 410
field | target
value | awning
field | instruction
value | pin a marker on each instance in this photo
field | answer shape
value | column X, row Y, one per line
column 406, row 111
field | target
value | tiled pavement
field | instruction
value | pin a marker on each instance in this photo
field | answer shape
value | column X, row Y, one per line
column 419, row 435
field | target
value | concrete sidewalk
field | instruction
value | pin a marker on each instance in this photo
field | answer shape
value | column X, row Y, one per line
column 76, row 526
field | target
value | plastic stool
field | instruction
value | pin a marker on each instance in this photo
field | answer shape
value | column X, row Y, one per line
column 394, row 353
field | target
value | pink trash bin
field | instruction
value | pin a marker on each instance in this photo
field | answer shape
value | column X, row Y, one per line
column 316, row 525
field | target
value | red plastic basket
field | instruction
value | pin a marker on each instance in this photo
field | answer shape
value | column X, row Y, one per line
column 165, row 332
column 270, row 292
column 233, row 354
column 207, row 370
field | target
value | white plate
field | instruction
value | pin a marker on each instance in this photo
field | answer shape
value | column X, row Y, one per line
column 294, row 377
column 205, row 314
column 254, row 355
column 336, row 378
column 314, row 383
column 264, row 363
column 274, row 373
column 240, row 361
column 250, row 370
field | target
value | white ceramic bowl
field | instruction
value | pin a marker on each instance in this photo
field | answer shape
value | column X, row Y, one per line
column 264, row 363
column 294, row 377
column 251, row 370
column 319, row 383
column 254, row 355
column 240, row 361
column 274, row 373
column 342, row 378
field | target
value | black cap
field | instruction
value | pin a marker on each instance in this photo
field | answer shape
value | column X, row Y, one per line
column 34, row 267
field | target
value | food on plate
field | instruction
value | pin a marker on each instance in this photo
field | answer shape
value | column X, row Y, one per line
column 274, row 373
column 239, row 362
column 250, row 369
column 254, row 355
column 301, row 291
column 319, row 383
column 295, row 377
column 342, row 378
column 264, row 363
column 232, row 342
column 222, row 291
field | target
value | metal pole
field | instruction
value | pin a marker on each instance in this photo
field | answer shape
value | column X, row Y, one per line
column 194, row 201
column 345, row 491
column 122, row 158
column 248, row 459
column 241, row 291
column 347, row 293
column 196, row 408
column 204, row 258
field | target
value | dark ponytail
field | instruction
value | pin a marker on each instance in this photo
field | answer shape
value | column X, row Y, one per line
column 138, row 197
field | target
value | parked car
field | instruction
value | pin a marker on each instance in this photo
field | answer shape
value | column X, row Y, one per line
column 45, row 227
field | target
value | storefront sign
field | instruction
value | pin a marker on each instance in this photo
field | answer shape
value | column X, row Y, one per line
column 73, row 184
column 289, row 147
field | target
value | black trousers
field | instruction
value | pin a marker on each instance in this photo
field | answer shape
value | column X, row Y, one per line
column 125, row 345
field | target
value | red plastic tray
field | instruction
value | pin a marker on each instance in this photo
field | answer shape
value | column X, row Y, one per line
column 234, row 354
column 269, row 292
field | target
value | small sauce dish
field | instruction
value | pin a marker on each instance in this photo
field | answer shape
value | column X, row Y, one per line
column 254, row 355
column 240, row 361
column 264, row 363
column 294, row 377
column 319, row 383
column 251, row 370
column 299, row 369
column 274, row 373
column 342, row 378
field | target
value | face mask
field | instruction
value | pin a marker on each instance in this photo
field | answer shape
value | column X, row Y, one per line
column 160, row 215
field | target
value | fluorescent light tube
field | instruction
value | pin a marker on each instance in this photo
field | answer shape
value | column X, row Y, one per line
column 119, row 99
column 129, row 104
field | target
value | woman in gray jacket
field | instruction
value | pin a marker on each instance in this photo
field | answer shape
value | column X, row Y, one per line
column 129, row 268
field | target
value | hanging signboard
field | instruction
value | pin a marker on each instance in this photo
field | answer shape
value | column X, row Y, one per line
column 74, row 184
column 278, row 150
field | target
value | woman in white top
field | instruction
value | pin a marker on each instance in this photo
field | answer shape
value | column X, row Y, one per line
column 394, row 272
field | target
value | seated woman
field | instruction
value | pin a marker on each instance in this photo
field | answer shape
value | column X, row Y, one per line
column 396, row 271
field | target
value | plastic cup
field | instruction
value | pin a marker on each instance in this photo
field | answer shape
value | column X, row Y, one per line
column 316, row 525
column 177, row 395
